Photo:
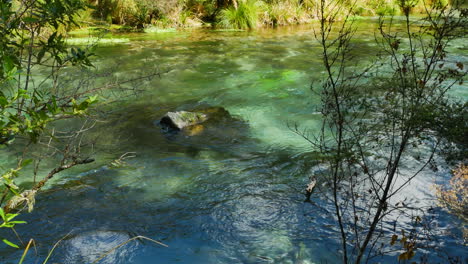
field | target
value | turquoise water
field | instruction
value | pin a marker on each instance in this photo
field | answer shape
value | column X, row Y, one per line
column 232, row 193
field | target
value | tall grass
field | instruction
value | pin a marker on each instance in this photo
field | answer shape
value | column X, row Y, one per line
column 244, row 17
column 289, row 12
column 376, row 7
column 393, row 7
column 249, row 14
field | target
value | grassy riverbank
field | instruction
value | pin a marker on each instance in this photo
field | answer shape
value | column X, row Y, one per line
column 233, row 14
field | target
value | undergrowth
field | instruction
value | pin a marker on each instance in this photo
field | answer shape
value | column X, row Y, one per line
column 245, row 14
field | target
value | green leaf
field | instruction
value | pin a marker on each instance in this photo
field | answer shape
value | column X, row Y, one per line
column 13, row 188
column 2, row 214
column 30, row 20
column 10, row 217
column 26, row 162
column 9, row 243
column 40, row 55
column 3, row 101
column 93, row 99
column 18, row 222
column 51, row 39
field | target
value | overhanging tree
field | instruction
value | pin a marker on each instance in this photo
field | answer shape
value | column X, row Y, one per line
column 369, row 131
column 34, row 95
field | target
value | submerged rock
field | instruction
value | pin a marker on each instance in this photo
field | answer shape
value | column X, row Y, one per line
column 195, row 130
column 90, row 246
column 215, row 113
column 191, row 121
column 182, row 119
column 218, row 129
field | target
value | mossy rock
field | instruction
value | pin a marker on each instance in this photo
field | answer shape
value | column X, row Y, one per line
column 215, row 113
column 182, row 119
column 214, row 122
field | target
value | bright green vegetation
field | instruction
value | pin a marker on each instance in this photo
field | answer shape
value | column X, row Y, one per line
column 96, row 40
column 244, row 16
column 239, row 14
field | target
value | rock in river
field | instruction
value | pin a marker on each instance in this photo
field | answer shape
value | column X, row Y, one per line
column 190, row 121
column 204, row 126
column 181, row 119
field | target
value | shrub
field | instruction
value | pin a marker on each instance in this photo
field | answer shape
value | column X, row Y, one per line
column 133, row 12
column 455, row 196
column 115, row 11
column 244, row 17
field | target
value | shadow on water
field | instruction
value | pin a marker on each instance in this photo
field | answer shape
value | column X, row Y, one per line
column 207, row 208
column 137, row 129
column 236, row 202
column 198, row 193
column 211, row 199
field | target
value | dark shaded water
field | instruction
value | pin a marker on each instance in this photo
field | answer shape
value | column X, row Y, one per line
column 231, row 194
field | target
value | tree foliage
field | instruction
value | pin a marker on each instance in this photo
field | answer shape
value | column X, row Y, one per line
column 30, row 39
column 31, row 42
column 369, row 133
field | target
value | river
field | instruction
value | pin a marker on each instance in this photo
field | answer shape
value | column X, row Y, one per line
column 231, row 194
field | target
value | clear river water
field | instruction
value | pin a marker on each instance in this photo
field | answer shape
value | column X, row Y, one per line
column 232, row 193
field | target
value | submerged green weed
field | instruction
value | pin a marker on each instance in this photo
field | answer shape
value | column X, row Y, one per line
column 96, row 40
column 159, row 30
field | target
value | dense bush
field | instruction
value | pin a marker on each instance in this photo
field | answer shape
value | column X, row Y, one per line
column 133, row 12
column 241, row 14
column 244, row 16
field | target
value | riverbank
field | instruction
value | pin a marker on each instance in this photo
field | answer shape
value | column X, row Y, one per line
column 142, row 15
